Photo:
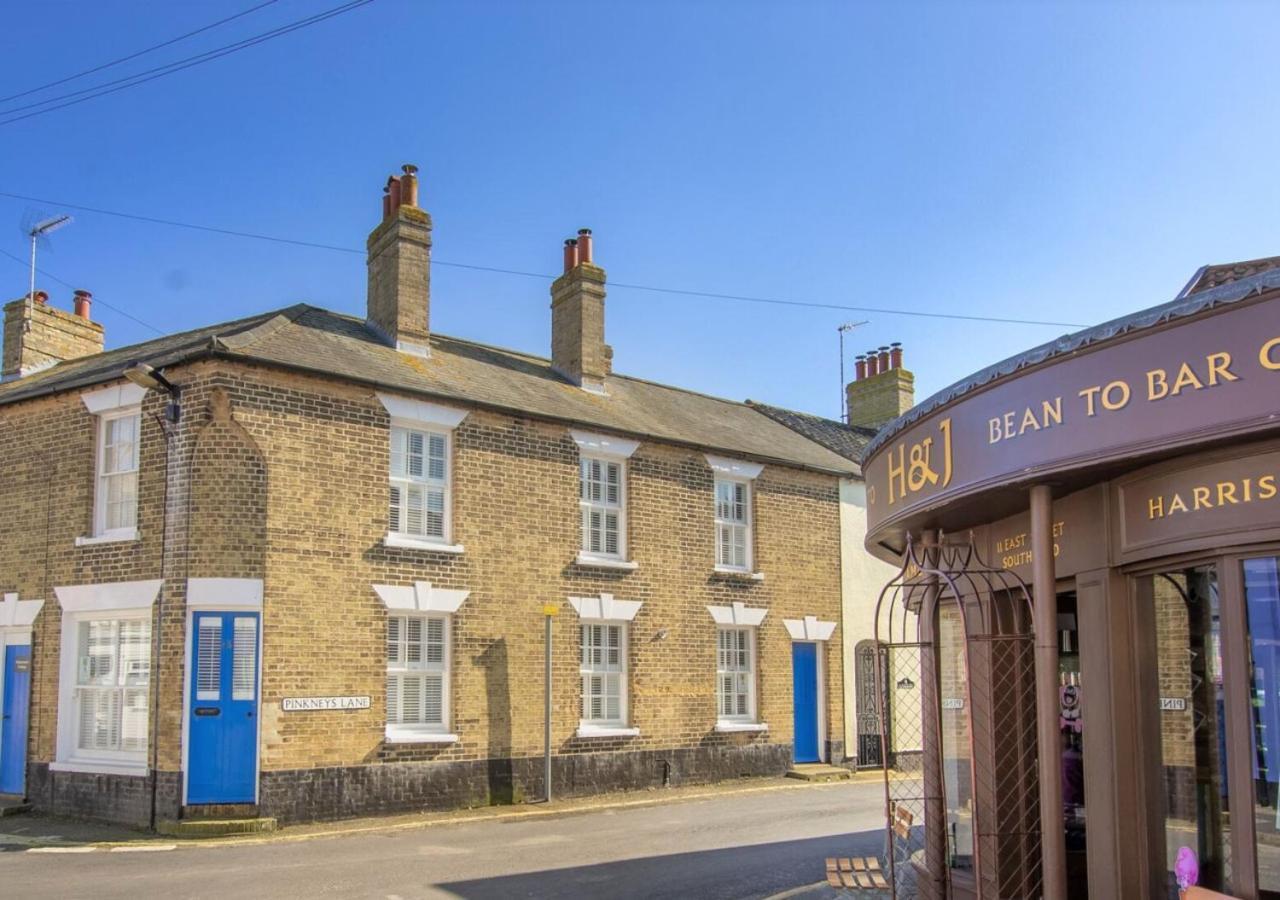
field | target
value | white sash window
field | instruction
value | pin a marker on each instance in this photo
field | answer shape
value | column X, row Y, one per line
column 417, row 672
column 602, row 502
column 735, row 675
column 733, row 524
column 604, row 672
column 117, row 494
column 113, row 677
column 419, row 483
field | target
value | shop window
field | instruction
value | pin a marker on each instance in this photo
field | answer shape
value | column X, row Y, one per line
column 1193, row 753
column 1262, row 594
column 957, row 744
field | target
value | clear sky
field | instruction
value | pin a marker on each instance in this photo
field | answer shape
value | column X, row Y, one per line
column 1059, row 161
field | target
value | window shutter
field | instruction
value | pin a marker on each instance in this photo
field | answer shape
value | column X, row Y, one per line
column 208, row 657
column 411, row 693
column 393, row 699
column 244, row 653
column 433, row 700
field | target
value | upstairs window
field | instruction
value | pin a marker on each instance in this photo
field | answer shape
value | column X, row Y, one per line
column 604, row 667
column 735, row 675
column 419, row 484
column 116, row 502
column 602, row 501
column 417, row 675
column 733, row 524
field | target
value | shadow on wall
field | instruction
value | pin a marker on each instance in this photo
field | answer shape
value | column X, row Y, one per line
column 759, row 870
column 497, row 690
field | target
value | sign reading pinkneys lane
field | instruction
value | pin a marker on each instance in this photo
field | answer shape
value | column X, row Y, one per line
column 1163, row 387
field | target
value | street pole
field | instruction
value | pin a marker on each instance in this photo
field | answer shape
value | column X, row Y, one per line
column 549, row 611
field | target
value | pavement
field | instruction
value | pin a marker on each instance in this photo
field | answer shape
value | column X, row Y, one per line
column 759, row 839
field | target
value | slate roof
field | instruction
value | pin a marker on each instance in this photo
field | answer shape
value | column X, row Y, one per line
column 1223, row 289
column 326, row 343
column 848, row 440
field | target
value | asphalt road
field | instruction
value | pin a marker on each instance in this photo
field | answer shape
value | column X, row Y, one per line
column 740, row 845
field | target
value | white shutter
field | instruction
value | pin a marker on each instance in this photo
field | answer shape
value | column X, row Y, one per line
column 244, row 656
column 208, row 657
column 433, row 700
column 393, row 699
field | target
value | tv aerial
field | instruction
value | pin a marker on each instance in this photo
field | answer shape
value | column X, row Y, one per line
column 39, row 233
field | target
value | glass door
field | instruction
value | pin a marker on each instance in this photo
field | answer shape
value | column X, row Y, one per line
column 1262, row 604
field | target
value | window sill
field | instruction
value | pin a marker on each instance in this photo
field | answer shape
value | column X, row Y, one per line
column 412, row 543
column 606, row 731
column 111, row 537
column 98, row 767
column 742, row 574
column 604, row 562
column 732, row 727
column 405, row 736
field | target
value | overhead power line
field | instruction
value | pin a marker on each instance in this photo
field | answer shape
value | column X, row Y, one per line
column 709, row 295
column 20, row 261
column 131, row 56
column 129, row 81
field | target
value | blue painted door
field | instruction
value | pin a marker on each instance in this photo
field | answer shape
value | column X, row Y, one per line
column 804, row 675
column 13, row 728
column 222, row 757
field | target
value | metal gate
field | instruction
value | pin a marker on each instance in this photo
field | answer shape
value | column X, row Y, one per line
column 958, row 739
column 872, row 694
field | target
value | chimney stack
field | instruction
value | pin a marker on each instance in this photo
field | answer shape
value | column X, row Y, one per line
column 578, row 350
column 399, row 298
column 38, row 335
column 881, row 390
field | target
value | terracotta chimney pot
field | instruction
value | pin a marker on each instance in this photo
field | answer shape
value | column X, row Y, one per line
column 570, row 254
column 895, row 355
column 884, row 359
column 861, row 368
column 83, row 299
column 873, row 363
column 584, row 245
column 409, row 182
column 42, row 296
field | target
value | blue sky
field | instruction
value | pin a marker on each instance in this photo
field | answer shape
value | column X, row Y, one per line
column 1067, row 162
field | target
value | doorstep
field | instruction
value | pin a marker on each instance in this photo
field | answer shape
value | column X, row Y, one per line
column 13, row 805
column 205, row 828
column 819, row 772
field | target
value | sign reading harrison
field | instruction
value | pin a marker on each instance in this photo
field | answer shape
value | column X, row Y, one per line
column 309, row 704
column 1155, row 390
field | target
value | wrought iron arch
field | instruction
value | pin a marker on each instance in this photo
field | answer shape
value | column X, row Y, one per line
column 985, row 719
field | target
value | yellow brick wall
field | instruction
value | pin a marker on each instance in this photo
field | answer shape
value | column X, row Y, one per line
column 288, row 483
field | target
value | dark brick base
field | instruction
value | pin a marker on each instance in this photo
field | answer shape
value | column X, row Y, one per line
column 123, row 799
column 303, row 795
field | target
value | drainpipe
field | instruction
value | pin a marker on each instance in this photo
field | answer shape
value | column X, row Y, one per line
column 1053, row 846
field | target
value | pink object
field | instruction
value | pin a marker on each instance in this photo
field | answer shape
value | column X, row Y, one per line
column 1186, row 868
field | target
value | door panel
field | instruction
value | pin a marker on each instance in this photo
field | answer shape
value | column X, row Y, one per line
column 13, row 731
column 804, row 671
column 223, row 752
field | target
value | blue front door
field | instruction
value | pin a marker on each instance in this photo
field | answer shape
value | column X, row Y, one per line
column 222, row 758
column 804, row 674
column 13, row 728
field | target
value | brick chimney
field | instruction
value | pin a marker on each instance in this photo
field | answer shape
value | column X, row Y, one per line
column 399, row 300
column 578, row 350
column 881, row 390
column 37, row 335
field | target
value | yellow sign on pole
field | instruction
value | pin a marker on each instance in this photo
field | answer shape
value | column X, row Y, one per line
column 550, row 609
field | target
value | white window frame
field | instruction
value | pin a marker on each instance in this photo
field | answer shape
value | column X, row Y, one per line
column 735, row 471
column 107, row 405
column 428, row 419
column 606, row 450
column 120, row 601
column 606, row 610
column 746, row 524
column 751, row 715
column 407, row 731
column 101, row 492
column 587, row 670
column 425, row 483
column 422, row 599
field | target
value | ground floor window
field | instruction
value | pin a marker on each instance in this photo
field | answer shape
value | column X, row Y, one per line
column 1262, row 596
column 417, row 673
column 735, row 675
column 603, row 670
column 113, row 675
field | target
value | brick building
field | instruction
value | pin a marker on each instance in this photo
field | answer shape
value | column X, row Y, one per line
column 297, row 564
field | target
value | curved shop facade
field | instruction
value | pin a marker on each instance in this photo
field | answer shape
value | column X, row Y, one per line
column 1130, row 476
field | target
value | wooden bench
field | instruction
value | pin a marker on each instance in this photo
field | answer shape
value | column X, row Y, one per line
column 859, row 873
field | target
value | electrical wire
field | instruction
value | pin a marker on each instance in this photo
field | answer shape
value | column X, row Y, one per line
column 115, row 309
column 104, row 89
column 709, row 295
column 124, row 59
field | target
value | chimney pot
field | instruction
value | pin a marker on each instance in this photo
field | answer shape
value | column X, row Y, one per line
column 83, row 299
column 409, row 182
column 386, row 202
column 895, row 355
column 42, row 296
column 570, row 254
column 861, row 368
column 393, row 186
column 873, row 363
column 585, row 243
column 884, row 359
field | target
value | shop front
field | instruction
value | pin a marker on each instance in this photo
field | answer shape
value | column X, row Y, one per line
column 1089, row 537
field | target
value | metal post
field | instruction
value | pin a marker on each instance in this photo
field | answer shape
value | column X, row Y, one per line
column 1053, row 846
column 549, row 611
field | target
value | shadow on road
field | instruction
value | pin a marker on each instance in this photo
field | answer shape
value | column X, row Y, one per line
column 735, row 872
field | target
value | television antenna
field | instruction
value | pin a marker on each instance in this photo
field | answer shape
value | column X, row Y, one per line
column 844, row 397
column 37, row 233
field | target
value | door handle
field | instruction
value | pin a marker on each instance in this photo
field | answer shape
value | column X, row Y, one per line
column 249, row 714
